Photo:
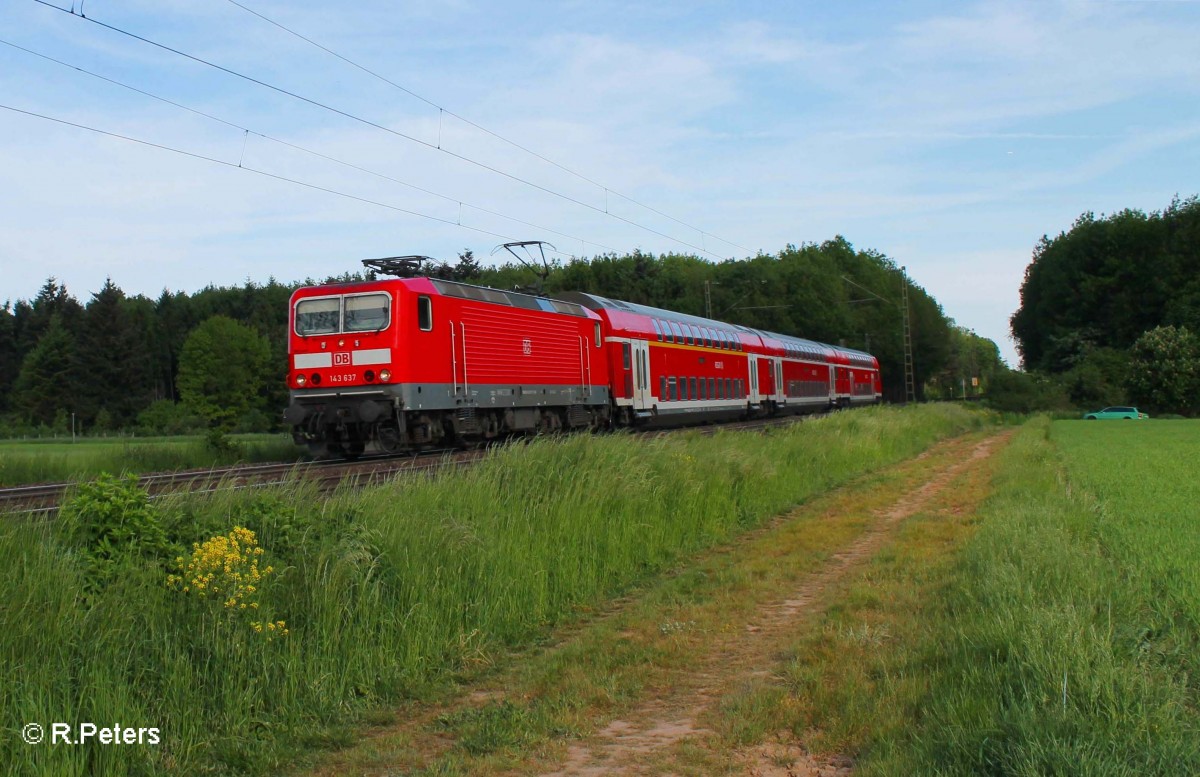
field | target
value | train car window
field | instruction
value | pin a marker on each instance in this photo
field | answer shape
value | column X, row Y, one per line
column 318, row 316
column 657, row 331
column 424, row 313
column 597, row 325
column 366, row 312
column 692, row 392
column 703, row 388
column 707, row 337
column 683, row 395
column 662, row 388
column 720, row 389
column 671, row 389
column 687, row 333
column 678, row 333
column 712, row 388
column 625, row 355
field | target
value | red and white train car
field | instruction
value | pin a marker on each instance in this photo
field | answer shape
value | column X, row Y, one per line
column 671, row 367
column 407, row 363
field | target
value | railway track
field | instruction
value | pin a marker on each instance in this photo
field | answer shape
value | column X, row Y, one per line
column 43, row 499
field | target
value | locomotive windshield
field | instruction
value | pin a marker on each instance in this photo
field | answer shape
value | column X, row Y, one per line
column 366, row 312
column 318, row 316
column 349, row 313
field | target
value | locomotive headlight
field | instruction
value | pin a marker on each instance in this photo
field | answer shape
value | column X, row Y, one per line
column 385, row 375
column 300, row 381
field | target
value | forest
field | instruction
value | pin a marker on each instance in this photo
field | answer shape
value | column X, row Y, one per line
column 1110, row 310
column 119, row 362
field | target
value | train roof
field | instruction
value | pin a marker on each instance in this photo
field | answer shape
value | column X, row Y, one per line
column 514, row 299
column 797, row 347
column 596, row 302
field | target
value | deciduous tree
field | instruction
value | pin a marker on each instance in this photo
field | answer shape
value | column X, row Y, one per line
column 222, row 371
column 1164, row 370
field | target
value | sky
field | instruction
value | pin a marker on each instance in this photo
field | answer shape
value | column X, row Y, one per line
column 949, row 136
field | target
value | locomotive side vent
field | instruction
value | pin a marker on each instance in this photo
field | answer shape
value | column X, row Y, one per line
column 467, row 422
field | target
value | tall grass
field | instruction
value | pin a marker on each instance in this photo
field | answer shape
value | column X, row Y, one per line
column 1068, row 640
column 386, row 591
column 55, row 462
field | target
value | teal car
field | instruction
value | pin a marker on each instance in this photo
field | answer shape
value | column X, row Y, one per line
column 1127, row 413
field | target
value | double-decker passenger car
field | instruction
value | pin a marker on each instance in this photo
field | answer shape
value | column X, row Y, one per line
column 405, row 363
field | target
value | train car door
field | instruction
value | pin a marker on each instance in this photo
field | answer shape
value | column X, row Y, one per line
column 777, row 387
column 642, row 397
column 752, row 383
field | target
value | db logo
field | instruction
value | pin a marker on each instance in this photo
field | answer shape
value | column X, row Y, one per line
column 341, row 359
column 526, row 346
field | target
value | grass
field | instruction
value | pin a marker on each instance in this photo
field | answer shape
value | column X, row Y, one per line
column 1054, row 632
column 388, row 592
column 663, row 645
column 25, row 462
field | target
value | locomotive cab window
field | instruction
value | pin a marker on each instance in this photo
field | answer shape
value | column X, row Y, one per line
column 424, row 313
column 317, row 316
column 366, row 313
column 597, row 334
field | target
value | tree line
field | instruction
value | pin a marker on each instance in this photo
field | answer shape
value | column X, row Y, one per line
column 1110, row 311
column 124, row 362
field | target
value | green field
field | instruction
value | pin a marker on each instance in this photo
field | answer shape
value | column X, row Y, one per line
column 1061, row 636
column 386, row 593
column 58, row 461
column 1044, row 619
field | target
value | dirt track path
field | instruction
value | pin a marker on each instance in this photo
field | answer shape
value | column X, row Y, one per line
column 639, row 742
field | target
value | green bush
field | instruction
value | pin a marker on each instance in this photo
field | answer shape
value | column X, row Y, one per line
column 112, row 523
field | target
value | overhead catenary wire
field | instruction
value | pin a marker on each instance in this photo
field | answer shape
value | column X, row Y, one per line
column 247, row 132
column 368, row 122
column 446, row 111
column 256, row 171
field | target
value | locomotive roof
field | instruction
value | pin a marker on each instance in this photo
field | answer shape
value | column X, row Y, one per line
column 511, row 298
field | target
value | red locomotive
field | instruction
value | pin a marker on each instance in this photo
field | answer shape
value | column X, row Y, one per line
column 406, row 363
